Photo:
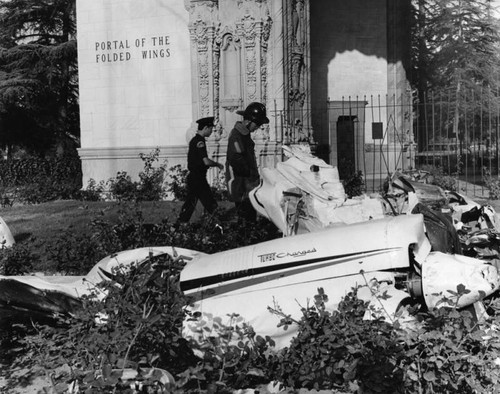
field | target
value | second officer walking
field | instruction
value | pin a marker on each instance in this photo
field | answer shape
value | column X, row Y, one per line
column 198, row 164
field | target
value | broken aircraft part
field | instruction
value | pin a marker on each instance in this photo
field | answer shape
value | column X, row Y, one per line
column 247, row 280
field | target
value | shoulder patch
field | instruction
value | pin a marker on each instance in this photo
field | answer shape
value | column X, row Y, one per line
column 200, row 144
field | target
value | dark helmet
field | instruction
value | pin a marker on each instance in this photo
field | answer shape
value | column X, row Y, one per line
column 256, row 112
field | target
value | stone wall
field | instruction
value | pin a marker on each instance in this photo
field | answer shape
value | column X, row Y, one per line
column 149, row 69
column 135, row 82
column 358, row 57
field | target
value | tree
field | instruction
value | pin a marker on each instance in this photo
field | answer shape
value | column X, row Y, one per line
column 38, row 73
column 456, row 53
column 455, row 42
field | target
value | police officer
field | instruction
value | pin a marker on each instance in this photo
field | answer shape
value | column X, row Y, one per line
column 198, row 163
column 242, row 174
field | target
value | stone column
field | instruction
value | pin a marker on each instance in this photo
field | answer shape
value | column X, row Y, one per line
column 297, row 69
column 203, row 24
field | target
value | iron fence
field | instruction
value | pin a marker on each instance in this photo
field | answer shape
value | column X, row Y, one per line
column 453, row 133
column 458, row 133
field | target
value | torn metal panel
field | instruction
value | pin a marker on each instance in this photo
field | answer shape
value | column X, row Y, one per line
column 442, row 273
column 47, row 294
column 6, row 238
column 304, row 194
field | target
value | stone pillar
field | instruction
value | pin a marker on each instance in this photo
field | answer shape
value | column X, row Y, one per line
column 296, row 14
column 229, row 56
column 398, row 87
column 230, row 67
column 203, row 23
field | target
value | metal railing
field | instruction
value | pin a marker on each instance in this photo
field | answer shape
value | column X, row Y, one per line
column 457, row 135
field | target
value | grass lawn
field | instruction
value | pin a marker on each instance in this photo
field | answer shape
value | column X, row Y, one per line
column 49, row 220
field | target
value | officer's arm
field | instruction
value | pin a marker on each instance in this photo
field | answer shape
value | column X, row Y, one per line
column 210, row 163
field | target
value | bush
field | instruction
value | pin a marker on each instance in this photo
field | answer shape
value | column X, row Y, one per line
column 342, row 351
column 122, row 188
column 177, row 182
column 76, row 252
column 176, row 185
column 151, row 178
column 35, row 180
column 93, row 191
column 232, row 356
column 492, row 184
column 442, row 351
column 149, row 187
column 140, row 324
column 449, row 352
column 354, row 185
column 17, row 260
column 439, row 178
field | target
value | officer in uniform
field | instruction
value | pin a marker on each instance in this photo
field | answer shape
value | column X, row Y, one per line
column 198, row 163
column 242, row 174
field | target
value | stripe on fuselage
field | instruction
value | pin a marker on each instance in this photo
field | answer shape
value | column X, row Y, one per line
column 219, row 284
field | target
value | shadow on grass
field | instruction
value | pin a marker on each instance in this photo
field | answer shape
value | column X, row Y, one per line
column 22, row 237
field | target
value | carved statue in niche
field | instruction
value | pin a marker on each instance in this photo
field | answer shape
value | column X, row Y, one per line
column 298, row 23
column 231, row 80
column 297, row 55
column 231, row 91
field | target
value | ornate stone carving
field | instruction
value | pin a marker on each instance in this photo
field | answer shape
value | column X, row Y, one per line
column 296, row 92
column 297, row 114
column 202, row 27
column 230, row 54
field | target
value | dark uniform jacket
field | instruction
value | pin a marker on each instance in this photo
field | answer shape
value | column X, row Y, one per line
column 196, row 153
column 242, row 174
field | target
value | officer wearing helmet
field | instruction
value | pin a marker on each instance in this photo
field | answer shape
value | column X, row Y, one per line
column 198, row 163
column 242, row 174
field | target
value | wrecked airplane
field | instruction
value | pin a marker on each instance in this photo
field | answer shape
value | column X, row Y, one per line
column 412, row 255
column 391, row 252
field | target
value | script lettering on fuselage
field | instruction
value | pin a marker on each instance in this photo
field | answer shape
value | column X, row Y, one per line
column 264, row 258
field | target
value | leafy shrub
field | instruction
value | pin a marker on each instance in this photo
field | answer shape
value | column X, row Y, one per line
column 219, row 188
column 207, row 236
column 34, row 180
column 47, row 189
column 17, row 172
column 151, row 178
column 149, row 187
column 449, row 352
column 340, row 350
column 354, row 185
column 232, row 356
column 74, row 253
column 93, row 191
column 18, row 259
column 122, row 187
column 177, row 182
column 439, row 178
column 140, row 323
column 492, row 183
column 443, row 351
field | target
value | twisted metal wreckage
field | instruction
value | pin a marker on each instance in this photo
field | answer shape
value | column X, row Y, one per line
column 396, row 243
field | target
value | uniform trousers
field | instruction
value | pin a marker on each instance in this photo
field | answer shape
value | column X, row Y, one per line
column 197, row 189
